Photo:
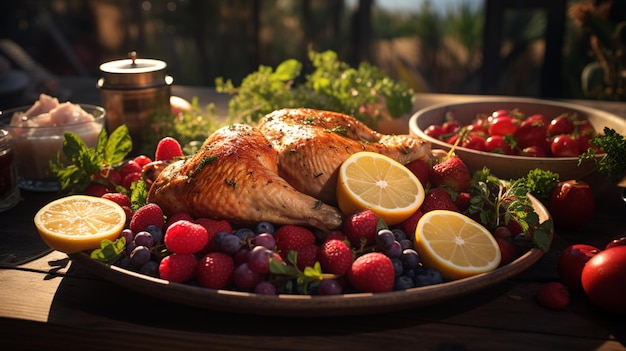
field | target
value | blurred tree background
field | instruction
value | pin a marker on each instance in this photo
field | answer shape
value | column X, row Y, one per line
column 433, row 49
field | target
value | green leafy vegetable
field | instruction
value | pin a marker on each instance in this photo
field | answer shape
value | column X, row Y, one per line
column 79, row 163
column 612, row 146
column 138, row 194
column 496, row 202
column 287, row 274
column 541, row 182
column 365, row 92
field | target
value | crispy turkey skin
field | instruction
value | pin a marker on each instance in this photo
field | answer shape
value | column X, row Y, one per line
column 234, row 176
column 312, row 145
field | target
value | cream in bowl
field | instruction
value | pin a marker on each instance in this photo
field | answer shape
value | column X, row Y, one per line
column 37, row 134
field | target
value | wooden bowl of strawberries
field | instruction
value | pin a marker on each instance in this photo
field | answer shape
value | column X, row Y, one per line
column 511, row 135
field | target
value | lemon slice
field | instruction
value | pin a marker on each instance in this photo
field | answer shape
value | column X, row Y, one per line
column 368, row 180
column 78, row 222
column 455, row 245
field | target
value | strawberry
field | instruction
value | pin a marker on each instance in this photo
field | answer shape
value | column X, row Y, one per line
column 462, row 201
column 185, row 237
column 307, row 256
column 408, row 225
column 292, row 237
column 452, row 173
column 168, row 149
column 336, row 235
column 213, row 226
column 437, row 199
column 118, row 198
column 142, row 160
column 361, row 225
column 146, row 215
column 215, row 270
column 421, row 169
column 553, row 295
column 372, row 272
column 178, row 268
column 335, row 257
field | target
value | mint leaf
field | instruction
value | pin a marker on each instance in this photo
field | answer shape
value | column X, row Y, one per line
column 118, row 146
column 109, row 251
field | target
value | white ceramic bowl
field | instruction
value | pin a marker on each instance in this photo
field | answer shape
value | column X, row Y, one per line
column 34, row 147
column 507, row 166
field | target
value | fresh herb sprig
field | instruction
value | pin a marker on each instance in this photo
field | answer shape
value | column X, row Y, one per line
column 79, row 163
column 496, row 202
column 365, row 92
column 612, row 146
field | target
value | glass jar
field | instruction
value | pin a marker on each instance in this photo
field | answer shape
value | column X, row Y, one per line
column 9, row 191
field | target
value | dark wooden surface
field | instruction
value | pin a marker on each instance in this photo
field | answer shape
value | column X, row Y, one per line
column 46, row 302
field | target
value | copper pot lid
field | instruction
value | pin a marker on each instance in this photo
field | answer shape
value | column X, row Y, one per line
column 133, row 73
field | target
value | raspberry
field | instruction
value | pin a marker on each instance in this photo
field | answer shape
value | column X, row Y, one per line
column 372, row 272
column 130, row 178
column 361, row 225
column 213, row 226
column 307, row 256
column 185, row 237
column 178, row 268
column 215, row 270
column 335, row 257
column 177, row 217
column 168, row 149
column 142, row 160
column 553, row 295
column 130, row 167
column 118, row 198
column 148, row 214
column 292, row 237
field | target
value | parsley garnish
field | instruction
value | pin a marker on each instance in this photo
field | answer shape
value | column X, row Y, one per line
column 613, row 146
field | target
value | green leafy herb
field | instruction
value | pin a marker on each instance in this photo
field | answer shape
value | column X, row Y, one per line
column 138, row 194
column 75, row 169
column 365, row 92
column 109, row 251
column 612, row 146
column 496, row 202
column 286, row 273
column 541, row 182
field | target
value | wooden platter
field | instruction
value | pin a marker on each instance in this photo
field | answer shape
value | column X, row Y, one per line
column 304, row 305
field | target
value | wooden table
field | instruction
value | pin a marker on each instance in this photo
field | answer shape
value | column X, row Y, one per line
column 46, row 302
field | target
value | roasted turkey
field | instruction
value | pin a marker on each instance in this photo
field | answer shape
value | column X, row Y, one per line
column 312, row 145
column 284, row 170
column 234, row 176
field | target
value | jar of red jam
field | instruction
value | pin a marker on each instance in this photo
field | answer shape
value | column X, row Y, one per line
column 9, row 191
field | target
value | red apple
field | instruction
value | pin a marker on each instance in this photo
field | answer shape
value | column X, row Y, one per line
column 571, row 262
column 571, row 204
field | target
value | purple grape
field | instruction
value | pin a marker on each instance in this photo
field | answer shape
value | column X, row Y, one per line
column 245, row 278
column 266, row 240
column 398, row 266
column 395, row 250
column 216, row 240
column 384, row 239
column 241, row 255
column 259, row 259
column 130, row 246
column 265, row 288
column 410, row 258
column 329, row 287
column 140, row 256
column 399, row 234
column 128, row 235
column 406, row 244
column 144, row 238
